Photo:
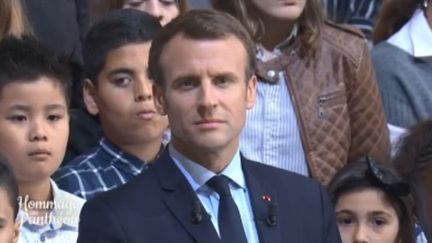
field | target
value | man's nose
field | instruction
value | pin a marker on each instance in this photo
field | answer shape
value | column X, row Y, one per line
column 207, row 99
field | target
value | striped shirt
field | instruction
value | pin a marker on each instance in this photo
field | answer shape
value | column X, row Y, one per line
column 420, row 236
column 358, row 13
column 101, row 169
column 271, row 134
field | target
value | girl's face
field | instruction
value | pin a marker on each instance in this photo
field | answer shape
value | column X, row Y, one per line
column 164, row 10
column 286, row 10
column 367, row 216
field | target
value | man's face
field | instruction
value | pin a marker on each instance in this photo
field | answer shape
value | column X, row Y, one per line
column 205, row 93
column 123, row 98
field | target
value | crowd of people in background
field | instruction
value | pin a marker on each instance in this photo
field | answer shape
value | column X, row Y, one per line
column 207, row 120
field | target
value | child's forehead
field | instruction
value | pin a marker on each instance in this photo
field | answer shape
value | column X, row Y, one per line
column 126, row 52
column 132, row 57
column 130, row 45
column 33, row 92
column 40, row 81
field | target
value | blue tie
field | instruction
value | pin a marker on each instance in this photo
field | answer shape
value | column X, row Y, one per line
column 230, row 224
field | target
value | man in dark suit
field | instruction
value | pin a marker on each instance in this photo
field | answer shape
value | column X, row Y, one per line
column 201, row 189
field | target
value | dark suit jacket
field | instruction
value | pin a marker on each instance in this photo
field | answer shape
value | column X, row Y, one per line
column 156, row 207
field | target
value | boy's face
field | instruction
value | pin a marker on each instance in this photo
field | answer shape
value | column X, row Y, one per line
column 123, row 98
column 34, row 128
column 9, row 228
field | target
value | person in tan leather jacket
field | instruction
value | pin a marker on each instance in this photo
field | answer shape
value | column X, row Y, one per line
column 318, row 104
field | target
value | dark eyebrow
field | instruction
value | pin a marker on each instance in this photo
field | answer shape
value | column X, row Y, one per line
column 2, row 221
column 121, row 70
column 26, row 108
column 375, row 213
column 187, row 77
column 197, row 77
column 225, row 75
column 345, row 211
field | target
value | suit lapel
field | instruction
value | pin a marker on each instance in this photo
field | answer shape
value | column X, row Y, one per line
column 179, row 197
column 262, row 197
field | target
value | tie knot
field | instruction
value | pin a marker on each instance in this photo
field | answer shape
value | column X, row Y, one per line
column 220, row 184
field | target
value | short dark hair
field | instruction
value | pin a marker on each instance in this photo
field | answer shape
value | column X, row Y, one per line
column 9, row 184
column 358, row 175
column 116, row 29
column 26, row 59
column 200, row 25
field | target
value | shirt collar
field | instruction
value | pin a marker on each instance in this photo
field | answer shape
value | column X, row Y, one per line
column 198, row 175
column 123, row 156
column 415, row 37
column 265, row 55
column 69, row 206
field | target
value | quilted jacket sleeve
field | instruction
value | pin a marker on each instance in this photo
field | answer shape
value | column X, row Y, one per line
column 369, row 131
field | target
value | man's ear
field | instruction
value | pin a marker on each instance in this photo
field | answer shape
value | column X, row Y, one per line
column 90, row 97
column 159, row 101
column 251, row 92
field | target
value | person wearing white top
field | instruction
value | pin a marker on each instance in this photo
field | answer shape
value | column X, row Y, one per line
column 403, row 67
column 59, row 223
column 34, row 130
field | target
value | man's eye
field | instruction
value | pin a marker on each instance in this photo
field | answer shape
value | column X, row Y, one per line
column 186, row 84
column 223, row 81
